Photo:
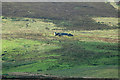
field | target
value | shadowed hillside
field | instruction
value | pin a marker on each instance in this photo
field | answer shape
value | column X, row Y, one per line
column 72, row 16
column 58, row 10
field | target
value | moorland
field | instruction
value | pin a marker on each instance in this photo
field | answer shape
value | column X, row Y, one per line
column 30, row 47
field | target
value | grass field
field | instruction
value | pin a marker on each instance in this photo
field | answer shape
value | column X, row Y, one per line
column 29, row 45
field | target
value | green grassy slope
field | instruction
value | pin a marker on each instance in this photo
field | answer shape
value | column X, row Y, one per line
column 29, row 44
column 34, row 48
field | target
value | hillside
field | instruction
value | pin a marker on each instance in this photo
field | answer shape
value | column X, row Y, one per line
column 34, row 49
column 72, row 16
column 30, row 48
column 58, row 10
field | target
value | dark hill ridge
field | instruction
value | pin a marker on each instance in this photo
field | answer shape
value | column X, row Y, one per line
column 58, row 9
column 72, row 15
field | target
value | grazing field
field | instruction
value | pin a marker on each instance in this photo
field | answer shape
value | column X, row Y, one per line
column 29, row 46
